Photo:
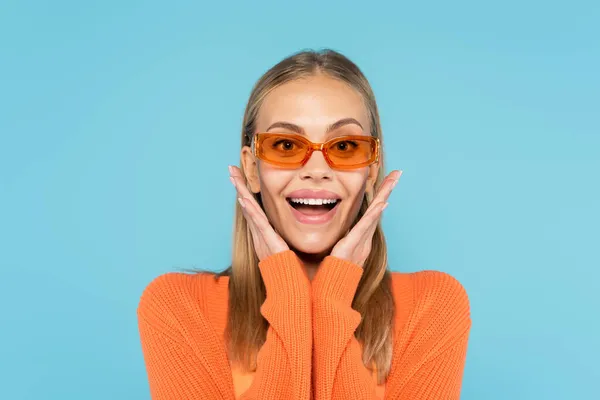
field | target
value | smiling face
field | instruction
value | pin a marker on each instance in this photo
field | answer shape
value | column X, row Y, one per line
column 319, row 108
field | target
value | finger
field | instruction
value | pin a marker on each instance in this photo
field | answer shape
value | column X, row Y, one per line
column 264, row 228
column 387, row 186
column 369, row 219
column 258, row 217
column 256, row 235
column 257, row 220
column 243, row 192
column 368, row 235
column 262, row 223
column 370, row 231
column 238, row 182
column 385, row 189
column 236, row 177
column 235, row 171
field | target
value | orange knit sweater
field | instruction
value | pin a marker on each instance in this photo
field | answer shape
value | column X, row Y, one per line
column 310, row 350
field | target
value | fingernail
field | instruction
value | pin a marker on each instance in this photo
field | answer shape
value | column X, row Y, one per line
column 230, row 169
column 384, row 206
column 232, row 180
column 394, row 184
column 399, row 175
column 241, row 202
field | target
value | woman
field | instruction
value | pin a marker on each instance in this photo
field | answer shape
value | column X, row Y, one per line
column 308, row 308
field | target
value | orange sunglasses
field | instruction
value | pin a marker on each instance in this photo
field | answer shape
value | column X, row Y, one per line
column 293, row 151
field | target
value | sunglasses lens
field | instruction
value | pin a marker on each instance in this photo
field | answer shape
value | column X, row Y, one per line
column 282, row 149
column 353, row 152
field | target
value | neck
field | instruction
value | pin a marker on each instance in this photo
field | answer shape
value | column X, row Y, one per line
column 311, row 262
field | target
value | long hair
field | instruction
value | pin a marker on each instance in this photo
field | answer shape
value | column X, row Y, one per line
column 246, row 329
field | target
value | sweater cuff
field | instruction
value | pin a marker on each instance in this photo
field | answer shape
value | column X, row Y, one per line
column 284, row 275
column 337, row 279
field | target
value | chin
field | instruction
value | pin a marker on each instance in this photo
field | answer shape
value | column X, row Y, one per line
column 316, row 243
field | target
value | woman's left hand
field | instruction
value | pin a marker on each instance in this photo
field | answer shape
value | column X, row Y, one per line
column 356, row 245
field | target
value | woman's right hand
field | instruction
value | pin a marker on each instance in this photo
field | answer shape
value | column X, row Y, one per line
column 266, row 241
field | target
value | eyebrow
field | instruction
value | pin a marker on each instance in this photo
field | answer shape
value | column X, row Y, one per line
column 300, row 130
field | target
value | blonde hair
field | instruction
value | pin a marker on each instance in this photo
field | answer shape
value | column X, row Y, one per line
column 246, row 328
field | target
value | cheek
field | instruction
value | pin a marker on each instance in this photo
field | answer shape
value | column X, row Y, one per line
column 356, row 201
column 273, row 182
column 355, row 186
column 355, row 183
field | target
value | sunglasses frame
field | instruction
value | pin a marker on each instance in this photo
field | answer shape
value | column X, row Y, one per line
column 322, row 147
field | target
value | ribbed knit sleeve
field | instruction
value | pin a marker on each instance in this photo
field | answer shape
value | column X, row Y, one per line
column 429, row 353
column 186, row 359
column 285, row 360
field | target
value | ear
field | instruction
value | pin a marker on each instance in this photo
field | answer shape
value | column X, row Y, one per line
column 372, row 179
column 250, row 167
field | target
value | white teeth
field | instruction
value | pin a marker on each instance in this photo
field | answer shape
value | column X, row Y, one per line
column 314, row 202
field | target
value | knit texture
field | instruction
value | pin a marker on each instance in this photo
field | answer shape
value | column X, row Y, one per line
column 310, row 350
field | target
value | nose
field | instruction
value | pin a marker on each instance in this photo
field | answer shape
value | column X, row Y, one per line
column 316, row 168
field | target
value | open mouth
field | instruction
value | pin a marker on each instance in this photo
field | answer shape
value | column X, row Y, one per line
column 313, row 206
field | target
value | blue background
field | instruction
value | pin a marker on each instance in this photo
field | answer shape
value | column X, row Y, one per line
column 118, row 120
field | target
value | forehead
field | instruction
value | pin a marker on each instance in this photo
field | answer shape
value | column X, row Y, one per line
column 313, row 103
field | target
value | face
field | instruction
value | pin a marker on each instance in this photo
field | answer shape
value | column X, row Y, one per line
column 310, row 107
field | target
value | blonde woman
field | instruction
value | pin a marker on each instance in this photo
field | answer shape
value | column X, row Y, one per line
column 308, row 308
